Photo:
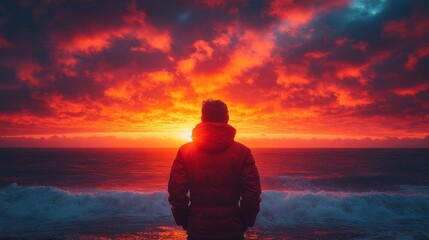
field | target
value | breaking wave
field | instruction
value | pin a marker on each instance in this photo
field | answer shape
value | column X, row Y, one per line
column 344, row 183
column 31, row 210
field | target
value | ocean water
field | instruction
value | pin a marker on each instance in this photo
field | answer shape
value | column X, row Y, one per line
column 307, row 194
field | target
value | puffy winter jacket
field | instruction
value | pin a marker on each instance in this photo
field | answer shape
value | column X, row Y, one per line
column 222, row 180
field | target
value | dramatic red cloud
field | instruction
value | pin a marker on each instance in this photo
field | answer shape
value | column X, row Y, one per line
column 293, row 13
column 415, row 57
column 134, row 73
column 414, row 27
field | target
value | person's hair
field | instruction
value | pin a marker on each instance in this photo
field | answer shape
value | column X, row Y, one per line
column 214, row 111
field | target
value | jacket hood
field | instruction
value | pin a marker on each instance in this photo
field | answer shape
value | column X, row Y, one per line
column 212, row 136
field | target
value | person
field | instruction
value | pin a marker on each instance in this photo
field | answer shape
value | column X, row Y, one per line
column 220, row 176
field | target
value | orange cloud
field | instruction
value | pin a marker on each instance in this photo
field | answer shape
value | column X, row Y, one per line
column 94, row 39
column 88, row 43
column 202, row 52
column 350, row 99
column 252, row 49
column 155, row 38
column 293, row 14
column 291, row 75
column 139, row 83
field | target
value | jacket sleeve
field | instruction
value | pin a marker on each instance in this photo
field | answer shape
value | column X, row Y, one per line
column 250, row 191
column 178, row 187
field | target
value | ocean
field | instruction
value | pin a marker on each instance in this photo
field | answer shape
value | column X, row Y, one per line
column 121, row 193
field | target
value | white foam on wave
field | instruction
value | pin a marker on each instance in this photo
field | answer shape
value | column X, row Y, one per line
column 354, row 209
column 43, row 208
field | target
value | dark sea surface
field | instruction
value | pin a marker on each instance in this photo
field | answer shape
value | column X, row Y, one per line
column 307, row 194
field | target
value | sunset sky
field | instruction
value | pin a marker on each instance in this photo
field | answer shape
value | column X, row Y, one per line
column 293, row 73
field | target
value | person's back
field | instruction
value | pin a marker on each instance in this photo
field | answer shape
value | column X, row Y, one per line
column 217, row 171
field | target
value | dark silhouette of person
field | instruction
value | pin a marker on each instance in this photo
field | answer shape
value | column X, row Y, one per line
column 221, row 177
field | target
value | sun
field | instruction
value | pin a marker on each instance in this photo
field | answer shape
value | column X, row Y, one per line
column 186, row 135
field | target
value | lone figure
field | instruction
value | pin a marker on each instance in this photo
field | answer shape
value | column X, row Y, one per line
column 220, row 176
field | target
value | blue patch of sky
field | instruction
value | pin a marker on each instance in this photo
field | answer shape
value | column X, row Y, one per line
column 366, row 8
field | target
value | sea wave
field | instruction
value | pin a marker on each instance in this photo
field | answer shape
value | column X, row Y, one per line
column 29, row 210
column 25, row 211
column 321, row 208
column 351, row 183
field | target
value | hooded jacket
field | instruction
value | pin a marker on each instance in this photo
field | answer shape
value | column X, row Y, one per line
column 222, row 180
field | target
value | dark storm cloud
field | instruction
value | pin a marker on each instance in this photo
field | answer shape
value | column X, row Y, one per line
column 379, row 61
column 20, row 99
column 398, row 106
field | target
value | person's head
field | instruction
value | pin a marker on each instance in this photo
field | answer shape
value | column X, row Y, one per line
column 214, row 111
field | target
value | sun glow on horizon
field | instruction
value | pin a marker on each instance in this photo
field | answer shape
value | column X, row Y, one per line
column 186, row 136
